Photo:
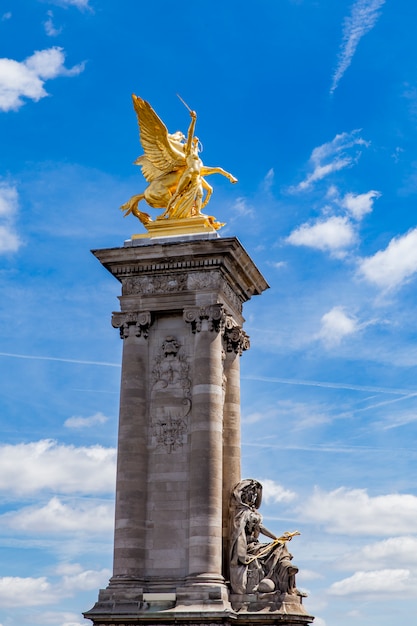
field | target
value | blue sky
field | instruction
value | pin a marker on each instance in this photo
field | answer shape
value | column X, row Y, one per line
column 312, row 105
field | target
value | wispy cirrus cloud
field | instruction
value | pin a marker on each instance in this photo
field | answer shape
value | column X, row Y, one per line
column 332, row 156
column 9, row 200
column 50, row 29
column 26, row 79
column 79, row 4
column 363, row 17
column 77, row 421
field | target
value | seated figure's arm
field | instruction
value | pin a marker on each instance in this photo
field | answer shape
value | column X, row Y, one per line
column 267, row 532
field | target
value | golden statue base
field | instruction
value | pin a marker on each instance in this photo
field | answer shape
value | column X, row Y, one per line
column 182, row 226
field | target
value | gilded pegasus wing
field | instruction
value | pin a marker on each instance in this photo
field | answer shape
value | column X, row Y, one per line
column 160, row 157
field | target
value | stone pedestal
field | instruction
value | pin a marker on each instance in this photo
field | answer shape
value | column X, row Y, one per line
column 179, row 429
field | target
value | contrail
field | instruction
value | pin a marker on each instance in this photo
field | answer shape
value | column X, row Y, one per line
column 330, row 449
column 284, row 381
column 53, row 358
column 316, row 383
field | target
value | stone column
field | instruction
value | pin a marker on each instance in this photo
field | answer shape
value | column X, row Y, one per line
column 132, row 458
column 206, row 458
column 235, row 342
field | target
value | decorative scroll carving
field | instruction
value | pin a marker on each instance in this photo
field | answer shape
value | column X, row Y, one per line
column 170, row 396
column 213, row 313
column 235, row 337
column 159, row 283
column 140, row 320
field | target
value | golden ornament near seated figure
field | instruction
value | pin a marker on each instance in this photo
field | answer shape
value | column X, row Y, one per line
column 172, row 167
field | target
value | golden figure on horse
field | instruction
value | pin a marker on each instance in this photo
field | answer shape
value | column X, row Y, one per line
column 172, row 166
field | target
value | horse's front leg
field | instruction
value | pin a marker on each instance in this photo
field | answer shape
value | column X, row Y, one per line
column 207, row 171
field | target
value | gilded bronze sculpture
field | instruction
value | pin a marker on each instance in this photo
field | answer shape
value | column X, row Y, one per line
column 172, row 166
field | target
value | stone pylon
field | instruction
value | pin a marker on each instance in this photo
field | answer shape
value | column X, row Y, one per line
column 179, row 427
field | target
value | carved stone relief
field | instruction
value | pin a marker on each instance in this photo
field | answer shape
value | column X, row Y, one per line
column 158, row 283
column 170, row 396
column 203, row 280
column 234, row 300
column 171, row 283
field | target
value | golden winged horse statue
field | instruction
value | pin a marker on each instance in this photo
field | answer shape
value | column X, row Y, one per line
column 172, row 167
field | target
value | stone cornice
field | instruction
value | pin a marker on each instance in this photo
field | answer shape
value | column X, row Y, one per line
column 227, row 255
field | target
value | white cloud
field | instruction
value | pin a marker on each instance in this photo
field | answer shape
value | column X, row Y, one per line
column 16, row 591
column 85, row 422
column 358, row 205
column 74, row 578
column 49, row 26
column 393, row 266
column 26, row 79
column 334, row 234
column 268, row 181
column 380, row 582
column 331, row 157
column 277, row 264
column 46, row 465
column 307, row 574
column 241, row 207
column 58, row 517
column 6, row 16
column 398, row 551
column 354, row 512
column 273, row 492
column 9, row 199
column 336, row 325
column 57, row 618
column 79, row 4
column 363, row 17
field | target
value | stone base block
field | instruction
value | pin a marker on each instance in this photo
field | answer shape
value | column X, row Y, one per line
column 288, row 604
column 192, row 606
column 201, row 619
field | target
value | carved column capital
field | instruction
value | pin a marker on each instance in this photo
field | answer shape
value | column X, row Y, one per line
column 124, row 321
column 235, row 337
column 213, row 313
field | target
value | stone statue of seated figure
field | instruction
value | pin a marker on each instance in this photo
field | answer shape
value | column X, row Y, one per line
column 256, row 567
